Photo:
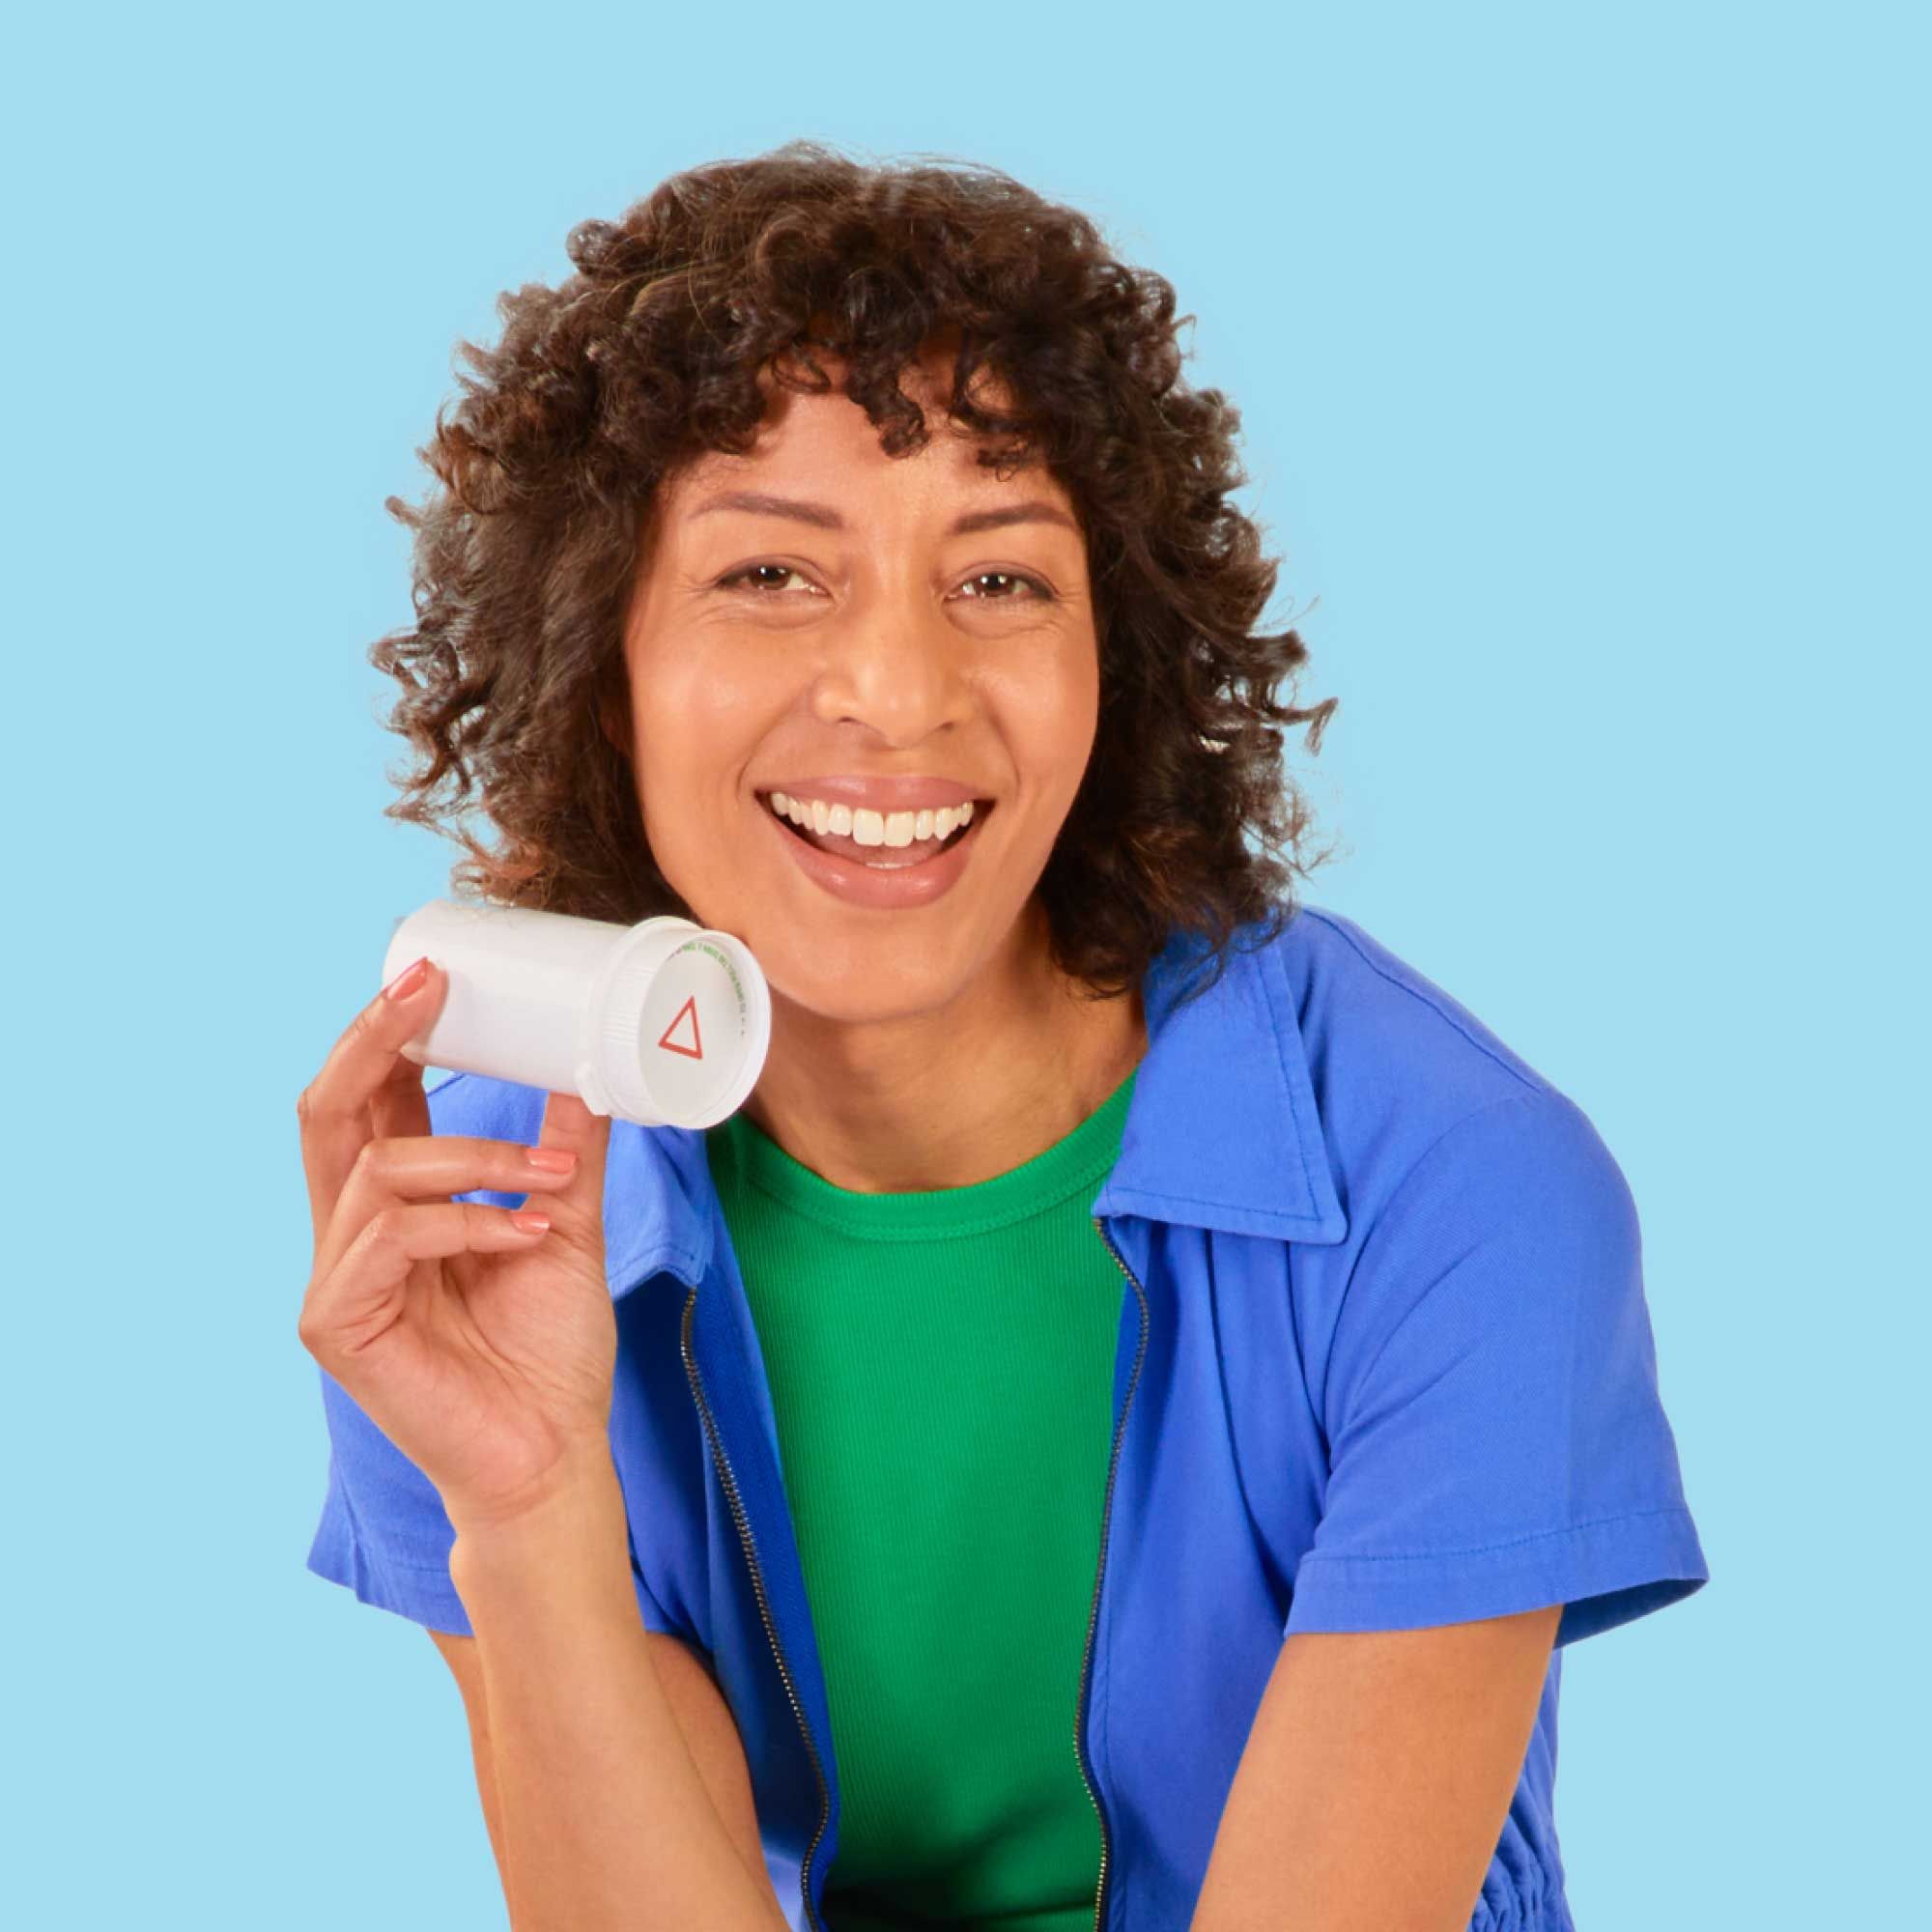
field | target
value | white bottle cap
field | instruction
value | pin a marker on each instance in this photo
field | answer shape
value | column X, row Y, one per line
column 663, row 1023
column 677, row 1029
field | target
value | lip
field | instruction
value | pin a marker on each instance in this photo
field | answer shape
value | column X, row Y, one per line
column 858, row 884
column 877, row 794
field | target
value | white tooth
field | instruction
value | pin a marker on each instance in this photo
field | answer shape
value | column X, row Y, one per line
column 899, row 828
column 869, row 828
column 821, row 815
column 842, row 820
column 944, row 820
column 780, row 802
column 921, row 825
column 795, row 810
column 965, row 813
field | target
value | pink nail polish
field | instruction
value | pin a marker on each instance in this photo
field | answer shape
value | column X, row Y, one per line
column 408, row 979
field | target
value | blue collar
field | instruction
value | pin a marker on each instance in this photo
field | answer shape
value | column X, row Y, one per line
column 1221, row 1130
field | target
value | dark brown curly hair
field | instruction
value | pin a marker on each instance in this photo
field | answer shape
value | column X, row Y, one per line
column 650, row 356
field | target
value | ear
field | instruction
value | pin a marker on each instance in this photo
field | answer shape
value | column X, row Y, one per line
column 614, row 722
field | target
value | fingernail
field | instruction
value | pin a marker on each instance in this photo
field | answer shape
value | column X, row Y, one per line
column 408, row 979
column 553, row 1160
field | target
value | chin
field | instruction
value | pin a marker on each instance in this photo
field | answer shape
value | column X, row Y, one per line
column 859, row 979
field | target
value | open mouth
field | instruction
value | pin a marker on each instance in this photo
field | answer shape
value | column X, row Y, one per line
column 876, row 856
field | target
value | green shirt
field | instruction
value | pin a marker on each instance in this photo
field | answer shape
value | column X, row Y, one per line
column 940, row 1366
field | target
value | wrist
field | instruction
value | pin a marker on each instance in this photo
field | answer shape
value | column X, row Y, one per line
column 574, row 1525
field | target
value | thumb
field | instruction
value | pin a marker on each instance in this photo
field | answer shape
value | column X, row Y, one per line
column 576, row 1208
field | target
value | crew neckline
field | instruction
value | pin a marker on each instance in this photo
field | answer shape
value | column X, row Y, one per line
column 1080, row 1160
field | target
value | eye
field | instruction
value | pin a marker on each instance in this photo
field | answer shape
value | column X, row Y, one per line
column 750, row 570
column 1034, row 586
column 749, row 578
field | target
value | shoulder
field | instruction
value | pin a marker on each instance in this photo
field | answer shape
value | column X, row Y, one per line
column 1403, row 1070
column 1370, row 1022
column 1357, row 999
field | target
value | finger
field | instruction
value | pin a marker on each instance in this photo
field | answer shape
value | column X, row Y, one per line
column 392, row 1174
column 351, row 1304
column 578, row 1207
column 399, row 1107
column 335, row 1110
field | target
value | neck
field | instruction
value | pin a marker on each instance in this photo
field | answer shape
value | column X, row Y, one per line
column 950, row 1096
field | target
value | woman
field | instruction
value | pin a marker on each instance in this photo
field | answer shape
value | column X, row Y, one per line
column 1120, row 1426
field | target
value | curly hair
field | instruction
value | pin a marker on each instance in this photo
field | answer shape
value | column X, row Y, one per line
column 650, row 354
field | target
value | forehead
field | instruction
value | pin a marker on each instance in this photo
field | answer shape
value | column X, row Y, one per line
column 805, row 435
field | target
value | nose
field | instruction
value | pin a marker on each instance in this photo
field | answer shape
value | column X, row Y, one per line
column 895, row 666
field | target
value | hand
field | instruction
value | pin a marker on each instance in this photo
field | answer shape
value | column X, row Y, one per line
column 484, row 1352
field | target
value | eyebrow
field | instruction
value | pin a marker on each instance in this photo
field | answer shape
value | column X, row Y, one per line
column 1032, row 510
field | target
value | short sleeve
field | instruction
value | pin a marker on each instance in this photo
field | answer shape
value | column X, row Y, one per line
column 1497, row 1439
column 384, row 1532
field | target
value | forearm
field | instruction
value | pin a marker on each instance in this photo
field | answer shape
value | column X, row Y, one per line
column 607, row 1824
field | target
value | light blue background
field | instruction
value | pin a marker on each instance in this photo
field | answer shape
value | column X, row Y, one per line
column 1581, row 359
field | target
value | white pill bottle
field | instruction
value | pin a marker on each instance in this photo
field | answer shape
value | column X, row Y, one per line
column 665, row 1023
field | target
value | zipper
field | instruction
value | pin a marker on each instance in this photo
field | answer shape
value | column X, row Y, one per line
column 725, row 1477
column 1100, row 1573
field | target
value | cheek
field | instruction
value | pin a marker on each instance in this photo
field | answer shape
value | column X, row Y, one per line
column 693, row 710
column 700, row 715
column 670, row 744
column 1051, row 719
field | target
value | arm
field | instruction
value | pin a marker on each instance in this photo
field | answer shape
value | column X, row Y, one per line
column 1377, row 1777
column 460, row 1654
column 710, row 1732
column 603, row 1819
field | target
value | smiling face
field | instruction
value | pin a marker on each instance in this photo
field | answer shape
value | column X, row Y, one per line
column 911, row 631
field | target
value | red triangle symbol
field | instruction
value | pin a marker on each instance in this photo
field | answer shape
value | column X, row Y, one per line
column 696, row 1050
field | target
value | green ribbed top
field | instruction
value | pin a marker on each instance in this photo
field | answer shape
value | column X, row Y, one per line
column 940, row 1366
